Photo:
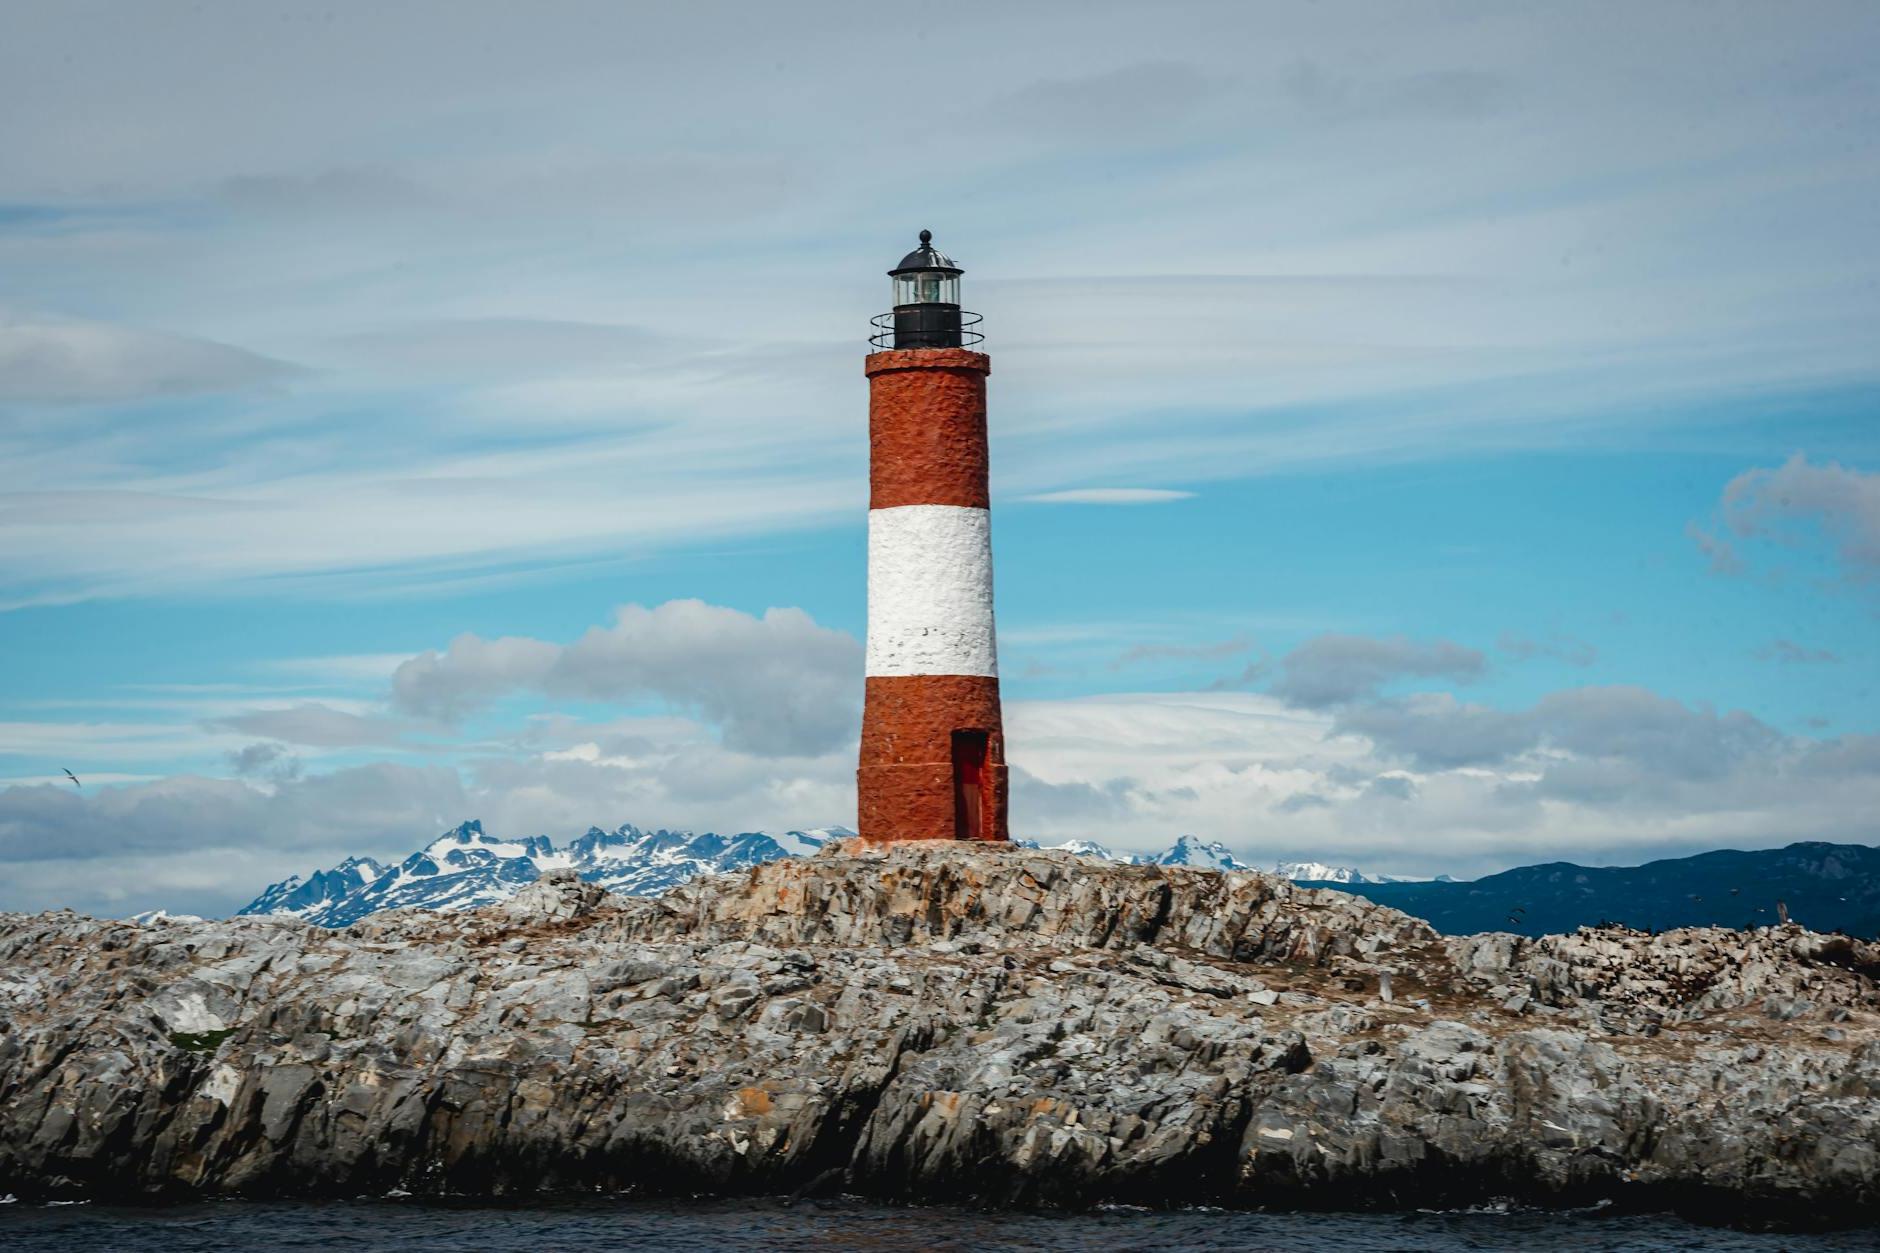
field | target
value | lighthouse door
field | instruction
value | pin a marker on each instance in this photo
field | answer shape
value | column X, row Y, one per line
column 969, row 776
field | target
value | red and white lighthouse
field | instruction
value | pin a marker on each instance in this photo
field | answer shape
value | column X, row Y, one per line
column 933, row 747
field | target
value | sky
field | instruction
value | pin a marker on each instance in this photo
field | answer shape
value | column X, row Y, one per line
column 1427, row 437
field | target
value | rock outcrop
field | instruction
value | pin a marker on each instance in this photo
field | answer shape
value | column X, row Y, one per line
column 943, row 1022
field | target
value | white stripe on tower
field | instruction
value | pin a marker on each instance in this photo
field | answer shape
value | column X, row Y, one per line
column 930, row 591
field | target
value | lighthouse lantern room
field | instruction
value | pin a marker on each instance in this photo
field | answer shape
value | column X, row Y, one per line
column 926, row 303
column 933, row 745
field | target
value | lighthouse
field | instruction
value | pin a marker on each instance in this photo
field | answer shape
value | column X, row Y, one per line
column 933, row 747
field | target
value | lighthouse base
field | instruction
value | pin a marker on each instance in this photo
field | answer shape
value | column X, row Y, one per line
column 932, row 760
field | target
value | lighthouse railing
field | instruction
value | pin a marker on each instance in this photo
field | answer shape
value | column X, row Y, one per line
column 883, row 333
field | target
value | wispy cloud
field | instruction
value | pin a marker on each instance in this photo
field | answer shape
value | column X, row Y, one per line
column 1355, row 259
column 1790, row 652
column 1183, row 652
column 61, row 360
column 1108, row 496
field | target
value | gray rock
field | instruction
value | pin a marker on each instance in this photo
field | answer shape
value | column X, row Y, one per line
column 941, row 1022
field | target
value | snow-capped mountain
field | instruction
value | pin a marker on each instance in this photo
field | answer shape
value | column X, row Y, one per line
column 149, row 916
column 640, row 863
column 1319, row 872
column 319, row 891
column 1083, row 848
column 1190, row 852
column 465, row 868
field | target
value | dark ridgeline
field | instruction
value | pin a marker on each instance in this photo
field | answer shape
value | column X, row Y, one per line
column 1824, row 887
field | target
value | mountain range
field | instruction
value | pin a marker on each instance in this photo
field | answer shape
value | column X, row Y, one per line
column 466, row 867
column 1824, row 886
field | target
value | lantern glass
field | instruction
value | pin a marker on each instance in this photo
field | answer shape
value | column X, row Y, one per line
column 927, row 287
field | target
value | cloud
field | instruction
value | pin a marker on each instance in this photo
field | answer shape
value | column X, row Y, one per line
column 777, row 685
column 1655, row 736
column 208, row 845
column 1575, row 652
column 317, row 725
column 518, row 347
column 1796, row 654
column 668, row 778
column 1253, row 672
column 338, row 668
column 1108, row 496
column 1721, row 553
column 1440, row 95
column 189, row 813
column 500, row 232
column 1594, row 775
column 267, row 761
column 1421, row 785
column 1780, row 504
column 1334, row 669
column 45, row 359
column 1397, row 787
column 1130, row 100
column 1182, row 652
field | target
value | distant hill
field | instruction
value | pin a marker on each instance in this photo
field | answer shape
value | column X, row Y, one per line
column 1827, row 887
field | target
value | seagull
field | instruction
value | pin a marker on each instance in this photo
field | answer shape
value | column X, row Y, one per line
column 72, row 777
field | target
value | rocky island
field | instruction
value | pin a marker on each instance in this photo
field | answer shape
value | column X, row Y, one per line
column 943, row 1022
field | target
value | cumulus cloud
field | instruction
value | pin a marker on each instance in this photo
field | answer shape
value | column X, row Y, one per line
column 1781, row 503
column 777, row 684
column 1656, row 735
column 1426, row 784
column 264, row 760
column 1332, row 669
column 1430, row 785
column 366, row 803
column 208, row 845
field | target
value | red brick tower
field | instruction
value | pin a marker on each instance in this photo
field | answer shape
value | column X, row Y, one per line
column 933, row 747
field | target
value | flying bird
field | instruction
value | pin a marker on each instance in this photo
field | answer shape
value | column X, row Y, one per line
column 73, row 778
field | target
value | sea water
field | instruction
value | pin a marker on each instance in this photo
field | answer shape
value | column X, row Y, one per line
column 838, row 1226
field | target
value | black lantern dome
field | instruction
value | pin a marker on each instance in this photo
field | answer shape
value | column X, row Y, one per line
column 926, row 303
